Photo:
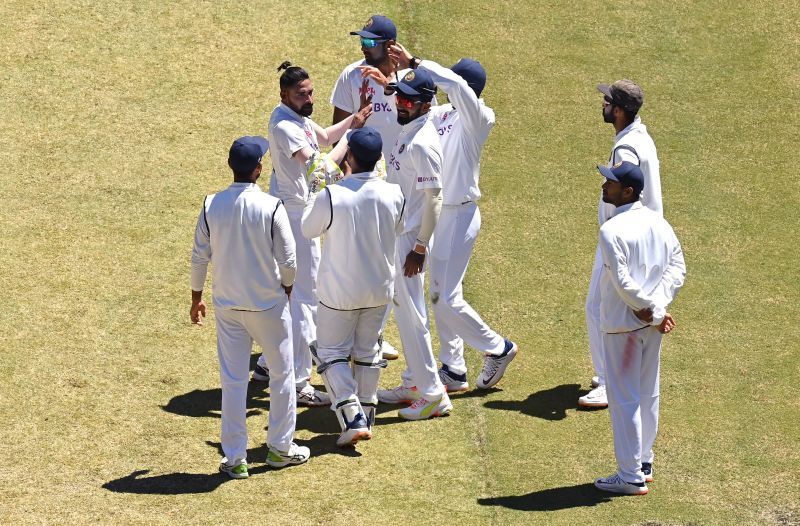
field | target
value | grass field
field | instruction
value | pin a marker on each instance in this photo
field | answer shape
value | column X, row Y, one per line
column 116, row 121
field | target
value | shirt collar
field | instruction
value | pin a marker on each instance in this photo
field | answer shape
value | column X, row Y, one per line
column 416, row 124
column 291, row 112
column 245, row 186
column 636, row 122
column 630, row 206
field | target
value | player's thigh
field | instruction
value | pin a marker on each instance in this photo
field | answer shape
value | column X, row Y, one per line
column 335, row 332
column 234, row 344
column 272, row 330
column 367, row 331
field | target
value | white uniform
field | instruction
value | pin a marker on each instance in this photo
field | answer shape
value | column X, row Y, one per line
column 634, row 145
column 245, row 232
column 415, row 164
column 360, row 217
column 643, row 267
column 290, row 132
column 346, row 96
column 463, row 128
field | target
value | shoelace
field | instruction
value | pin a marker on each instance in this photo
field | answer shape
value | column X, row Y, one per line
column 490, row 366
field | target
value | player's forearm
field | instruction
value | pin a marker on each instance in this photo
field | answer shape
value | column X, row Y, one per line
column 432, row 207
column 334, row 132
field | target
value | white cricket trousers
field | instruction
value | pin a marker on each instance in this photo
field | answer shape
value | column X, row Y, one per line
column 456, row 321
column 342, row 334
column 411, row 315
column 272, row 330
column 303, row 302
column 593, row 318
column 632, row 368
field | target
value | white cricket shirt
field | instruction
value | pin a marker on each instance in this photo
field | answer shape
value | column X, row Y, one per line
column 289, row 132
column 346, row 96
column 635, row 136
column 643, row 267
column 245, row 234
column 463, row 127
column 360, row 216
column 416, row 164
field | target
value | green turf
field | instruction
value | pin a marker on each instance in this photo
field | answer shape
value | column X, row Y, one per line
column 116, row 120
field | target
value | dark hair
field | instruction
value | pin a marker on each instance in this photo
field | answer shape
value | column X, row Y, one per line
column 292, row 76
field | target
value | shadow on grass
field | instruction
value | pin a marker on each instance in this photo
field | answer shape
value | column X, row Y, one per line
column 549, row 404
column 208, row 402
column 582, row 495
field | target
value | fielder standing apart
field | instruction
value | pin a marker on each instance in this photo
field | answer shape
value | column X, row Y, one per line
column 360, row 218
column 416, row 165
column 295, row 146
column 621, row 103
column 463, row 126
column 643, row 269
column 246, row 233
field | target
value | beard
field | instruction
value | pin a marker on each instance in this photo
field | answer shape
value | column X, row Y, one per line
column 375, row 59
column 608, row 114
column 306, row 110
column 402, row 121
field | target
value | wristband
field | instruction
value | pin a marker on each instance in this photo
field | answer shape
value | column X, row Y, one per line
column 414, row 62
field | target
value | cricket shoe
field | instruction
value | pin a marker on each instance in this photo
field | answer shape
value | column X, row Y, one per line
column 595, row 381
column 454, row 383
column 235, row 470
column 356, row 430
column 296, row 455
column 310, row 397
column 494, row 367
column 647, row 469
column 398, row 395
column 388, row 351
column 615, row 484
column 260, row 374
column 594, row 398
column 423, row 408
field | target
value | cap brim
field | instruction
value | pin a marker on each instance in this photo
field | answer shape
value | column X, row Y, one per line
column 606, row 172
column 367, row 34
column 605, row 89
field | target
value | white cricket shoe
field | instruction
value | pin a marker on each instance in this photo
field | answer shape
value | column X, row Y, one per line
column 615, row 484
column 356, row 430
column 296, row 455
column 494, row 367
column 236, row 469
column 454, row 383
column 310, row 397
column 647, row 469
column 398, row 395
column 594, row 398
column 595, row 381
column 388, row 351
column 423, row 408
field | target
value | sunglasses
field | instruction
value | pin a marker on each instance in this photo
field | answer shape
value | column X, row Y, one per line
column 371, row 42
column 405, row 102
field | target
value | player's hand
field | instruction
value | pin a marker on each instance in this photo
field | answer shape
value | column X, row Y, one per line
column 197, row 312
column 414, row 263
column 371, row 72
column 667, row 324
column 288, row 290
column 363, row 114
column 646, row 314
column 400, row 56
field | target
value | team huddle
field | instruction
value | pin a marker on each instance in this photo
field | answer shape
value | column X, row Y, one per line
column 396, row 196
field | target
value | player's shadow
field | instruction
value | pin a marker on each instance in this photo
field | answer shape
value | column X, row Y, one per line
column 581, row 495
column 549, row 404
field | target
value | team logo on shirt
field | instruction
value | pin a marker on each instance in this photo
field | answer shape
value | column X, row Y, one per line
column 409, row 76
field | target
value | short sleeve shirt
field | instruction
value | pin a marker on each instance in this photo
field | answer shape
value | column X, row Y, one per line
column 289, row 132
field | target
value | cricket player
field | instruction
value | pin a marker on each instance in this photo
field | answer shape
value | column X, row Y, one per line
column 360, row 217
column 246, row 233
column 463, row 126
column 295, row 147
column 643, row 269
column 416, row 165
column 621, row 103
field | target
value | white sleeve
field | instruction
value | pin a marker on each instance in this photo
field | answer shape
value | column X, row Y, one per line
column 615, row 260
column 427, row 162
column 317, row 214
column 201, row 251
column 476, row 116
column 651, row 194
column 290, row 138
column 342, row 96
column 671, row 280
column 283, row 246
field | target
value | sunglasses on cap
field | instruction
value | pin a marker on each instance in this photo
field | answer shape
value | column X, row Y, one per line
column 371, row 42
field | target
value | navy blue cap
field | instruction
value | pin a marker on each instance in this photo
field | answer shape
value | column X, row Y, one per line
column 471, row 71
column 417, row 84
column 379, row 27
column 366, row 144
column 625, row 173
column 246, row 152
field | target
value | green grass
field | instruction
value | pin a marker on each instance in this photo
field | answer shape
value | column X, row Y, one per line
column 116, row 120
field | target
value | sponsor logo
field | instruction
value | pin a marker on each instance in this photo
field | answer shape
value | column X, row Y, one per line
column 402, row 147
column 445, row 129
column 381, row 106
column 426, row 179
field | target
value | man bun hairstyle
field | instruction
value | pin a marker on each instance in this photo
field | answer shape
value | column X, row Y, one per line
column 291, row 75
